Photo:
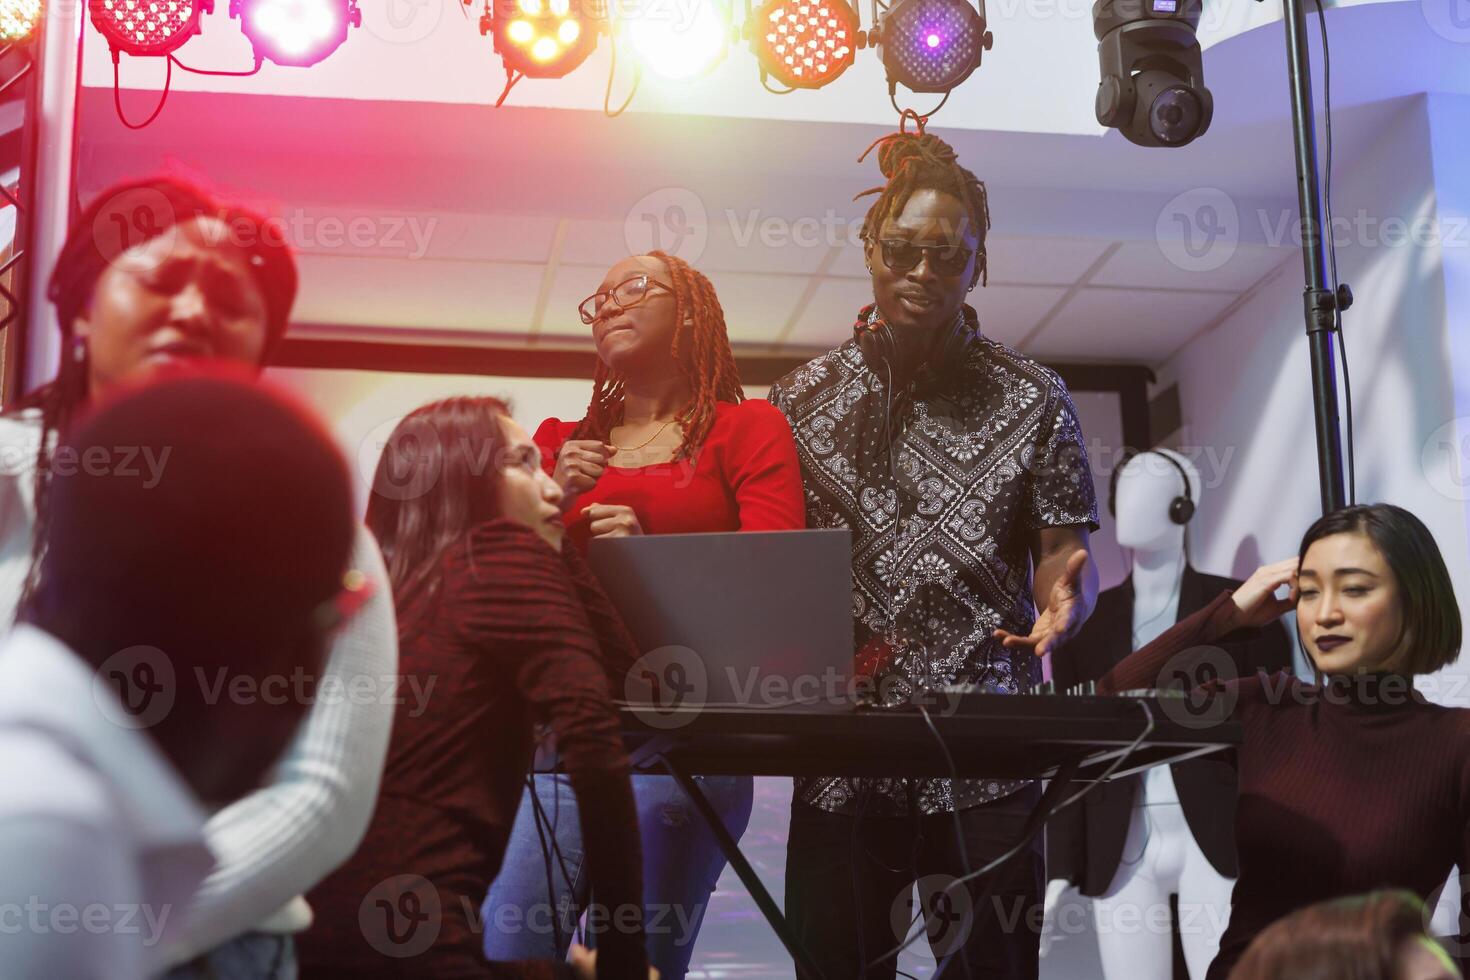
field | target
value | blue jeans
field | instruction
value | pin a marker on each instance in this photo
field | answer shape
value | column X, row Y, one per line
column 681, row 864
column 253, row 956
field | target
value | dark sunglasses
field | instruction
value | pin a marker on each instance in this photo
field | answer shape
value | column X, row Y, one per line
column 944, row 260
column 627, row 294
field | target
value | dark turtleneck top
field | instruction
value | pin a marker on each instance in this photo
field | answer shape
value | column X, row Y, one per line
column 1346, row 786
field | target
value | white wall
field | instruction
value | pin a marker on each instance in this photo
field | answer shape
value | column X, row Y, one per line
column 362, row 407
column 1256, row 412
column 1449, row 120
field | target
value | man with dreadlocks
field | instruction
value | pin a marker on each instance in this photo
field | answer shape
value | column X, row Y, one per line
column 959, row 467
column 668, row 445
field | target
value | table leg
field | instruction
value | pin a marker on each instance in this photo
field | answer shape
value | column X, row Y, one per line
column 747, row 874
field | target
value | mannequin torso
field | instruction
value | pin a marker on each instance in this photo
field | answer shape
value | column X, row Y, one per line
column 1160, row 856
column 1158, row 576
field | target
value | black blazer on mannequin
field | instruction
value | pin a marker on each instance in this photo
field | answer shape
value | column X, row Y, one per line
column 1085, row 841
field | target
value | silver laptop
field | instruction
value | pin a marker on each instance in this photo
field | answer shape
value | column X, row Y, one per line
column 754, row 619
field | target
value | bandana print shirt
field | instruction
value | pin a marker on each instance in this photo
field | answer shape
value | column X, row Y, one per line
column 986, row 452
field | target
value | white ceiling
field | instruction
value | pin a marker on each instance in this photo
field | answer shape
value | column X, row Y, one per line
column 775, row 307
column 521, row 210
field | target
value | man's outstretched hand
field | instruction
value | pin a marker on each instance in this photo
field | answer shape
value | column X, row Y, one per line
column 1062, row 617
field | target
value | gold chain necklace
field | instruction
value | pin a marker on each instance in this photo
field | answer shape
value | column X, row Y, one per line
column 634, row 449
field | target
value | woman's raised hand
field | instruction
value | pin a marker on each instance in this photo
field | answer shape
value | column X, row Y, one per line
column 1255, row 601
column 578, row 466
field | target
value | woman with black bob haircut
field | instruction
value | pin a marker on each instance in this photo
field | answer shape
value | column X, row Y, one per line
column 1354, row 782
column 1430, row 631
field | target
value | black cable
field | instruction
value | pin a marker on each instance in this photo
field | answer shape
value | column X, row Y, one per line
column 892, row 630
column 538, row 816
column 959, row 836
column 914, row 851
column 612, row 71
column 578, row 934
column 893, row 624
column 552, row 823
column 1347, row 384
column 892, row 475
column 865, row 794
column 511, row 77
column 117, row 94
column 857, row 895
column 219, row 74
column 893, row 97
column 1030, row 835
column 890, row 442
column 766, row 84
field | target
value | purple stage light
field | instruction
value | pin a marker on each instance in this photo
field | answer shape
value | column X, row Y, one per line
column 932, row 45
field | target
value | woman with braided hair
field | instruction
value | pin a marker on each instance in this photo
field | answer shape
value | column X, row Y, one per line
column 960, row 469
column 668, row 445
column 666, row 397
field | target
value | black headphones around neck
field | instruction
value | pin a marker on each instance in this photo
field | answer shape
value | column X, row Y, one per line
column 880, row 347
column 1181, row 508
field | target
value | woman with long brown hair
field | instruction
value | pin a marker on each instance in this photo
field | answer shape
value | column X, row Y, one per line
column 667, row 445
column 499, row 626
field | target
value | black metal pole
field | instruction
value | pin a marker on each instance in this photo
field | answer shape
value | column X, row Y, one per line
column 805, row 966
column 1319, row 298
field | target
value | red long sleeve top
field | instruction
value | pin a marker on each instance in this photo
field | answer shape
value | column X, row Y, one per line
column 515, row 634
column 745, row 478
column 1355, row 785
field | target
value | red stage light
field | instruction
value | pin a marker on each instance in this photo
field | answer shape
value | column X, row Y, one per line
column 542, row 38
column 147, row 27
column 805, row 43
column 295, row 33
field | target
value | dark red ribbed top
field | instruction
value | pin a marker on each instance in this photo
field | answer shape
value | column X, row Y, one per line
column 515, row 634
column 1356, row 785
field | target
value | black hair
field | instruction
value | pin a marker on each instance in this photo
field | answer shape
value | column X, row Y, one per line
column 121, row 217
column 1431, row 616
column 207, row 516
column 919, row 161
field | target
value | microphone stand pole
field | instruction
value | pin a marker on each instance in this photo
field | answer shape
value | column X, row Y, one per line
column 1322, row 305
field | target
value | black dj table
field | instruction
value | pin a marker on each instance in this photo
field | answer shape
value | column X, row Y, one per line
column 1066, row 739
